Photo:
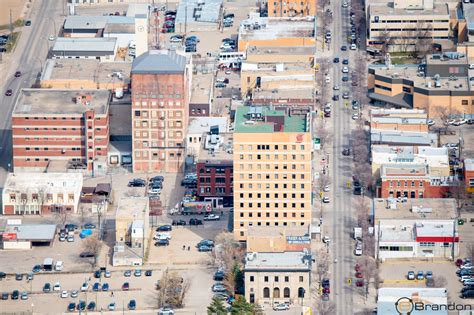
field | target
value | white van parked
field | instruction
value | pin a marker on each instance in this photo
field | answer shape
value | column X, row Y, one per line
column 59, row 265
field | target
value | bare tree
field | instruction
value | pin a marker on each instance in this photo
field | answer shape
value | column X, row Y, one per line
column 323, row 181
column 172, row 290
column 323, row 3
column 61, row 215
column 93, row 245
column 323, row 134
column 325, row 307
column 387, row 41
column 227, row 252
column 322, row 266
column 424, row 38
column 470, row 251
column 458, row 191
column 368, row 270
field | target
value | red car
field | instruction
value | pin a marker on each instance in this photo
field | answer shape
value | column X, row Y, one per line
column 357, row 268
column 125, row 286
column 9, row 92
column 359, row 275
column 326, row 290
column 359, row 283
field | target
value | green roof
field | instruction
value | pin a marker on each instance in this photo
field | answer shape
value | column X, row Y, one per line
column 273, row 121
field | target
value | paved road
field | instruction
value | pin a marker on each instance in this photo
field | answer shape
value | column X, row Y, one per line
column 29, row 57
column 340, row 170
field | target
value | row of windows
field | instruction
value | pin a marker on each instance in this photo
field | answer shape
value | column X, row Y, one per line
column 384, row 29
column 432, row 244
column 158, row 114
column 218, row 190
column 267, row 156
column 158, row 144
column 268, row 214
column 277, row 278
column 275, row 147
column 269, row 186
column 286, row 293
column 268, row 166
column 217, row 180
column 155, row 154
column 392, row 183
column 405, row 194
column 154, row 123
column 267, row 176
column 161, row 103
column 171, row 134
column 218, row 170
column 54, row 118
column 242, row 224
column 47, row 149
column 396, row 248
column 275, row 195
column 466, row 102
column 268, row 205
column 383, row 87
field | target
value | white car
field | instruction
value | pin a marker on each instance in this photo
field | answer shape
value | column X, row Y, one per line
column 85, row 286
column 162, row 236
column 74, row 293
column 355, row 116
column 336, row 87
column 57, row 287
column 281, row 307
column 176, row 39
column 211, row 217
column 466, row 278
column 345, row 5
column 64, row 294
column 111, row 307
column 326, row 239
column 328, row 79
column 326, row 200
column 51, row 37
column 326, row 188
column 345, row 70
column 353, row 47
column 430, row 122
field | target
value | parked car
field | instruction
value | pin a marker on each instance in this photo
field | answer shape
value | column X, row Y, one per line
column 96, row 287
column 64, row 294
column 164, row 228
column 111, row 306
column 81, row 305
column 9, row 92
column 125, row 286
column 218, row 287
column 127, row 273
column 420, row 275
column 71, row 307
column 136, row 182
column 57, row 287
column 148, row 273
column 204, row 248
column 178, row 222
column 17, row 74
column 194, row 221
column 219, row 275
column 411, row 275
column 91, row 306
column 163, row 242
column 15, row 295
column 84, row 287
column 211, row 217
column 105, row 287
column 86, row 255
column 137, row 273
column 132, row 305
column 47, row 287
column 281, row 307
column 19, row 276
column 74, row 293
column 209, row 243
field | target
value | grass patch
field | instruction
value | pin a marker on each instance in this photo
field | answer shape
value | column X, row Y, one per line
column 10, row 46
column 404, row 60
column 17, row 23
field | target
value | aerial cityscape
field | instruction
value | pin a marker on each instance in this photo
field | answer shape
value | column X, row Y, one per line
column 243, row 157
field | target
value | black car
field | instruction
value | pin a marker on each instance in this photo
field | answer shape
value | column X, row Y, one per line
column 344, row 48
column 219, row 275
column 345, row 61
column 164, row 228
column 157, row 179
column 3, row 275
column 81, row 305
column 91, row 306
column 86, row 255
column 229, row 16
column 132, row 305
column 28, row 23
column 136, row 182
column 71, row 307
column 164, row 242
column 19, row 276
column 335, row 60
column 178, row 222
column 346, row 152
column 345, row 79
column 325, row 283
column 97, row 274
column 15, row 294
column 148, row 273
column 467, row 294
column 190, row 48
column 70, row 227
column 335, row 98
column 47, row 287
column 4, row 296
column 358, row 191
column 195, row 221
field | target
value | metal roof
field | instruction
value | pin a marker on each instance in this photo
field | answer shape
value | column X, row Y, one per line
column 33, row 232
column 285, row 260
column 159, row 61
column 106, row 44
column 198, row 11
column 95, row 22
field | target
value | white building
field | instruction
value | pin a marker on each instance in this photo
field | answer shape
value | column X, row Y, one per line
column 400, row 300
column 272, row 278
column 103, row 49
column 41, row 193
column 198, row 127
column 436, row 158
column 416, row 239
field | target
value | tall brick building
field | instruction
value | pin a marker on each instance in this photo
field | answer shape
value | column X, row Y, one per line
column 69, row 126
column 160, row 98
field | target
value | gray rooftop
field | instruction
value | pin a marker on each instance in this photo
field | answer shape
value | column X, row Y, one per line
column 95, row 22
column 206, row 11
column 297, row 261
column 56, row 102
column 32, row 232
column 407, row 138
column 423, row 208
column 159, row 61
column 95, row 44
column 200, row 125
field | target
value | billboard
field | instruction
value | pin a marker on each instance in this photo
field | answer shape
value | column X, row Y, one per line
column 9, row 236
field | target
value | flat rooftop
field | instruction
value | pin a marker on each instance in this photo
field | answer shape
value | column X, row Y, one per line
column 410, row 73
column 258, row 28
column 78, row 22
column 425, row 208
column 387, row 297
column 387, row 9
column 95, row 44
column 278, row 261
column 394, row 112
column 447, row 58
column 389, row 232
column 209, row 11
column 200, row 125
column 201, row 87
column 57, row 102
column 403, row 170
column 277, row 67
column 435, row 228
column 33, row 182
column 405, row 138
column 132, row 208
column 283, row 94
column 87, row 70
column 119, row 29
column 469, row 164
column 270, row 120
column 282, row 50
column 217, row 148
column 32, row 232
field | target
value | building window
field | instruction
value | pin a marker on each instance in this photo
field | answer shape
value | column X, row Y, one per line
column 251, row 278
column 276, row 293
column 266, row 293
column 301, row 292
column 287, row 279
column 301, row 278
column 286, row 292
column 277, row 279
column 265, row 279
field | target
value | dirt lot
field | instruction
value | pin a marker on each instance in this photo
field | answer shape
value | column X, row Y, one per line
column 15, row 5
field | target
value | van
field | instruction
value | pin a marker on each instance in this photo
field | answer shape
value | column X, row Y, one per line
column 59, row 265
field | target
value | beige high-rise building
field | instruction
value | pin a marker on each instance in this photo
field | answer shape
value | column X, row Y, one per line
column 272, row 169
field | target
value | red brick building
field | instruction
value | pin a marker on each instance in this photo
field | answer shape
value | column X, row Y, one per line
column 215, row 170
column 412, row 181
column 160, row 99
column 69, row 126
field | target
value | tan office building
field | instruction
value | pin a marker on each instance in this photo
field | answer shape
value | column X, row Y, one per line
column 272, row 169
column 291, row 8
